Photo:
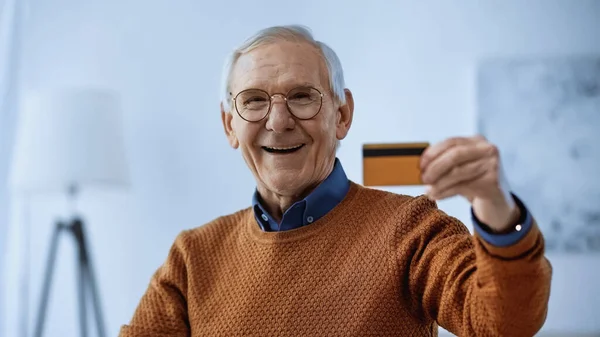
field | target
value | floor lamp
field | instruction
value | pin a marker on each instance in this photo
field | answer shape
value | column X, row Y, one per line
column 68, row 140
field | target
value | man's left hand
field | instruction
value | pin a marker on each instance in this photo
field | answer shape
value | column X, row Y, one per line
column 470, row 167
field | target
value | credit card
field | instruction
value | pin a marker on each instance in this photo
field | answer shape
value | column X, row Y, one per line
column 392, row 164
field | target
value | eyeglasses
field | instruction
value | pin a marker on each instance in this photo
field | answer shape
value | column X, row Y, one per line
column 253, row 105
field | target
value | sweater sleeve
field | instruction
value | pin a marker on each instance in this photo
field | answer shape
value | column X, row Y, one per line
column 467, row 285
column 162, row 310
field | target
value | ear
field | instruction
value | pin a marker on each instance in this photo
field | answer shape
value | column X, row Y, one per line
column 227, row 118
column 345, row 114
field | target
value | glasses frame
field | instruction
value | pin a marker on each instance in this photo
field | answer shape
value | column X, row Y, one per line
column 271, row 97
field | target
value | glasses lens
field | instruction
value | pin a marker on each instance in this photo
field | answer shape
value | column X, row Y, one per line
column 252, row 105
column 304, row 103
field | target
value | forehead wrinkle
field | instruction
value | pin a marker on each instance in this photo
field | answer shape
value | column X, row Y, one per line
column 262, row 71
column 277, row 82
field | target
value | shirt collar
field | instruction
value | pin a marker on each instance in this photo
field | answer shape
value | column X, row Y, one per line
column 310, row 209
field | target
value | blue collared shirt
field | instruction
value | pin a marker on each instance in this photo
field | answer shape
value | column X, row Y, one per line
column 310, row 209
column 334, row 189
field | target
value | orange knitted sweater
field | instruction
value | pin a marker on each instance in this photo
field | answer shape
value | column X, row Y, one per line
column 378, row 264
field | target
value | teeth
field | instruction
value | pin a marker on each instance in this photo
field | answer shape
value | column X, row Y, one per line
column 283, row 148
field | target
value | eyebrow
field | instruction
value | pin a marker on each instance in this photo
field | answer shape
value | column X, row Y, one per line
column 286, row 85
column 305, row 84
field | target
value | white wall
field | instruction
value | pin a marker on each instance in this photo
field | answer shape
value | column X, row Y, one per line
column 10, row 32
column 410, row 65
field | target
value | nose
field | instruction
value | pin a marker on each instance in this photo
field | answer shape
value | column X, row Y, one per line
column 279, row 119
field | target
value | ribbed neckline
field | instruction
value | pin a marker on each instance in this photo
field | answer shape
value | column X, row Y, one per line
column 330, row 220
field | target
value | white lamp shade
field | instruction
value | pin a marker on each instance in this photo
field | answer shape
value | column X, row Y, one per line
column 69, row 137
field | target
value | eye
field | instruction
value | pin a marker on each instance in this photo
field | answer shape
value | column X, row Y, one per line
column 300, row 95
column 254, row 99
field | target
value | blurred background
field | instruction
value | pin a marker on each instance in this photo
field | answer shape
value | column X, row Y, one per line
column 419, row 71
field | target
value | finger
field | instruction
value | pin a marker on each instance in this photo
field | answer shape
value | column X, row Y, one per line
column 463, row 188
column 448, row 193
column 434, row 151
column 455, row 157
column 462, row 174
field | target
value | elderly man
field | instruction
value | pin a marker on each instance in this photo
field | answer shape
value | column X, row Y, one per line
column 319, row 255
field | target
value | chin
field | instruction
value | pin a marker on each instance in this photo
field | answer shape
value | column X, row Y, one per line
column 288, row 183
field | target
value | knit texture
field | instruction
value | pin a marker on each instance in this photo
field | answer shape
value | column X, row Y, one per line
column 379, row 264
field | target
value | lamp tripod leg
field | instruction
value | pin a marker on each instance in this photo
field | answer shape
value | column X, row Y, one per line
column 48, row 279
column 96, row 301
column 85, row 280
column 81, row 282
column 88, row 280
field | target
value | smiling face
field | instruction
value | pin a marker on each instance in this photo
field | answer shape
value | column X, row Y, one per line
column 288, row 156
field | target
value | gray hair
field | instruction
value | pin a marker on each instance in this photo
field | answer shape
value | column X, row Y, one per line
column 289, row 33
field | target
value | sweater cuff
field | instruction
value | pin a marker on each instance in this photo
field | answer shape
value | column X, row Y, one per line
column 514, row 243
column 518, row 232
